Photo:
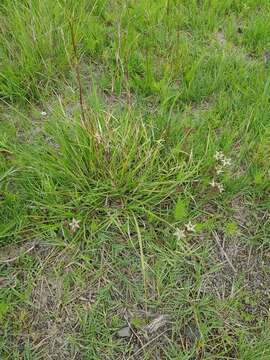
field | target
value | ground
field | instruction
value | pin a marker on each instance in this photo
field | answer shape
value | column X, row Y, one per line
column 134, row 179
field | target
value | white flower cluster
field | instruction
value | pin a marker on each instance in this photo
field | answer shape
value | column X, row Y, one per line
column 222, row 162
column 182, row 233
column 217, row 185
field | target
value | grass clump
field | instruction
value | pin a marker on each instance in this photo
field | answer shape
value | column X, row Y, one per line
column 113, row 170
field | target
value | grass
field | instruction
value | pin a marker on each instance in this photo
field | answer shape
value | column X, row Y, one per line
column 167, row 85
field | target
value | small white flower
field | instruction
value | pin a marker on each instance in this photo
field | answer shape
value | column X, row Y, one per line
column 219, row 170
column 180, row 234
column 220, row 188
column 226, row 162
column 190, row 227
column 219, row 155
column 217, row 185
column 74, row 225
column 43, row 113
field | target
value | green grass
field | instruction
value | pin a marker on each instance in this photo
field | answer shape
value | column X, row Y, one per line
column 166, row 85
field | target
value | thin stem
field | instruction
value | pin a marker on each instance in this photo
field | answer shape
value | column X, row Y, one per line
column 77, row 70
column 142, row 262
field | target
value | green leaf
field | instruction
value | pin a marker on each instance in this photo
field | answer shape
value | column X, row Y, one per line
column 3, row 309
column 138, row 323
column 180, row 211
column 231, row 228
column 94, row 225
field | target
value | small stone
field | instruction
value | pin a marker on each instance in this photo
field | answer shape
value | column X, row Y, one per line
column 124, row 332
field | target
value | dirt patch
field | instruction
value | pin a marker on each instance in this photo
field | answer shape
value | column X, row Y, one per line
column 240, row 267
column 197, row 109
column 145, row 333
column 220, row 38
column 12, row 253
column 222, row 41
column 236, row 266
column 45, row 321
column 52, row 323
column 241, row 211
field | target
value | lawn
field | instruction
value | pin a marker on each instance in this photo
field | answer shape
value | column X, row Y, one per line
column 134, row 179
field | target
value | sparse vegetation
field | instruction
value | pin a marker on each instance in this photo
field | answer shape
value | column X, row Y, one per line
column 139, row 227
